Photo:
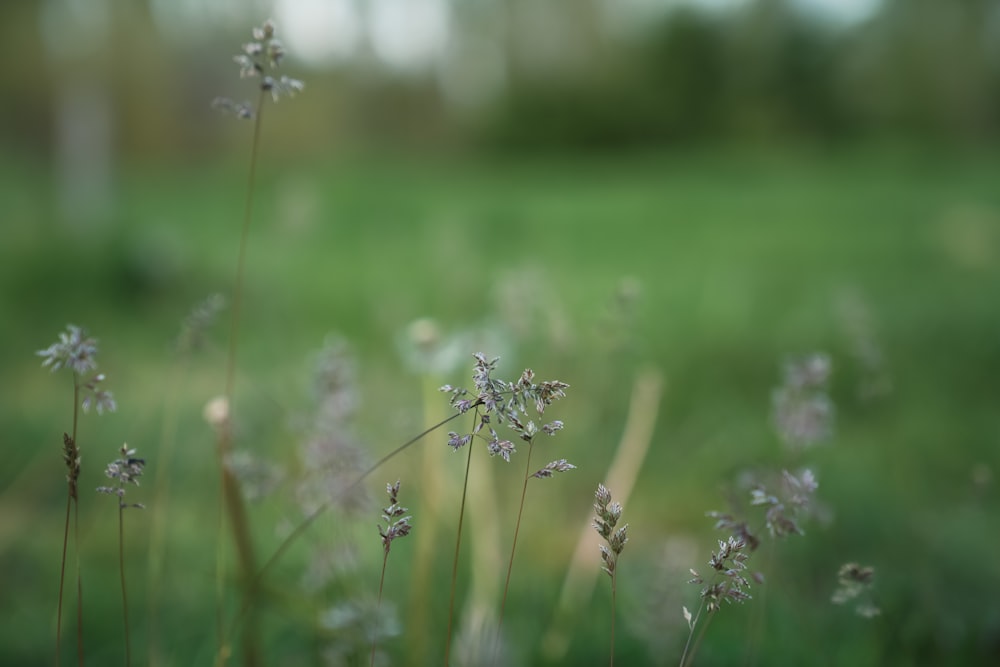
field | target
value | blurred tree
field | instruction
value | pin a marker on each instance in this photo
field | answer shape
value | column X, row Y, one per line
column 517, row 73
column 684, row 58
column 928, row 68
column 782, row 65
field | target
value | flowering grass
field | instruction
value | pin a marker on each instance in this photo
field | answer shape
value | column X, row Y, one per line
column 76, row 352
column 716, row 323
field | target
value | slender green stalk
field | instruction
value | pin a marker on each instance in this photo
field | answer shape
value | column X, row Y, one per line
column 70, row 505
column 454, row 565
column 378, row 606
column 690, row 650
column 614, row 601
column 232, row 498
column 121, row 567
column 513, row 548
column 79, row 585
column 62, row 576
column 242, row 256
column 71, row 497
column 72, row 508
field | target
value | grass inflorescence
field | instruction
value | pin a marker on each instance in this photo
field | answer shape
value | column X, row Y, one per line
column 327, row 472
column 76, row 352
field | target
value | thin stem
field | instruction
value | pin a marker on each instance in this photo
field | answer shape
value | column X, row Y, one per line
column 378, row 605
column 62, row 576
column 121, row 567
column 79, row 584
column 70, row 498
column 232, row 498
column 74, row 494
column 242, row 257
column 454, row 565
column 687, row 657
column 513, row 548
column 614, row 599
column 701, row 636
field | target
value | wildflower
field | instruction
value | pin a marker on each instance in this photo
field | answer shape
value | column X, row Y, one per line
column 257, row 57
column 78, row 352
column 127, row 469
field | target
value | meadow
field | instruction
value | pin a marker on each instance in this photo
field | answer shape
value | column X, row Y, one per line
column 692, row 277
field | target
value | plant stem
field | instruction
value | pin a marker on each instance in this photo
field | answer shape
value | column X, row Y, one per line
column 454, row 565
column 232, row 498
column 378, row 605
column 62, row 576
column 242, row 256
column 121, row 567
column 687, row 657
column 513, row 548
column 614, row 599
column 79, row 584
column 74, row 500
column 70, row 498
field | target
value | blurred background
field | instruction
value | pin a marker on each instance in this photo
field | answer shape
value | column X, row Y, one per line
column 661, row 202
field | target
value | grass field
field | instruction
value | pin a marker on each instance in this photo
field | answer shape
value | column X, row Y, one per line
column 711, row 269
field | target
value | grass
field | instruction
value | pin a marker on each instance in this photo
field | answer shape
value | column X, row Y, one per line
column 741, row 260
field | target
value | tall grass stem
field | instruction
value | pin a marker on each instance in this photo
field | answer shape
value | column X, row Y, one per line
column 513, row 548
column 232, row 498
column 454, row 565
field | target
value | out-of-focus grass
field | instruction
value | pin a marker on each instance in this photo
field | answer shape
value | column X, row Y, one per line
column 740, row 260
